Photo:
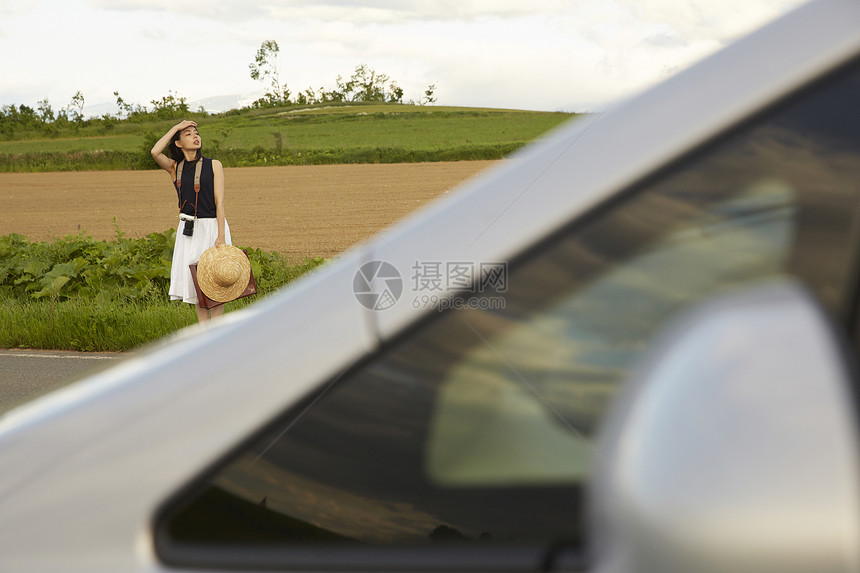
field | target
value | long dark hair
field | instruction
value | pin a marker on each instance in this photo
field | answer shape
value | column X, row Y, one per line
column 177, row 153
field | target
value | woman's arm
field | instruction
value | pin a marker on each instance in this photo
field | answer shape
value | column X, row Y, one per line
column 163, row 161
column 218, row 171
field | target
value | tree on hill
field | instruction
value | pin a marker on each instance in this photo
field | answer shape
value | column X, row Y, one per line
column 368, row 84
column 365, row 85
column 127, row 110
column 46, row 112
column 265, row 68
column 429, row 95
column 171, row 106
column 75, row 110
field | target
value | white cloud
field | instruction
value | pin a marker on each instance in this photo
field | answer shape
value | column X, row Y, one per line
column 542, row 54
column 220, row 10
column 356, row 11
column 692, row 20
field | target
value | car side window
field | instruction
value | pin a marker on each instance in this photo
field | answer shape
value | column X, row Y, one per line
column 466, row 443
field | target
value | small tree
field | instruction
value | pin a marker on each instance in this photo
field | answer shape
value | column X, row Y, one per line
column 170, row 106
column 123, row 108
column 343, row 91
column 395, row 93
column 429, row 95
column 46, row 112
column 75, row 110
column 324, row 96
column 21, row 117
column 265, row 68
column 126, row 109
column 307, row 97
column 368, row 84
column 365, row 85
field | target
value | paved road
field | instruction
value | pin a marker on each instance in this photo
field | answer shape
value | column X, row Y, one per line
column 25, row 374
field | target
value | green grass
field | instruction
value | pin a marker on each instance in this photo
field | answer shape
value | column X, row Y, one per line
column 77, row 293
column 90, row 325
column 412, row 131
column 129, row 142
column 345, row 133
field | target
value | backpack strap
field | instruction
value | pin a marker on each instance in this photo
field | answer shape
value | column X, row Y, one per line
column 179, row 175
column 197, row 170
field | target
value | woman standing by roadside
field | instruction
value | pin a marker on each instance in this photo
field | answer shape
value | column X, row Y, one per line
column 199, row 184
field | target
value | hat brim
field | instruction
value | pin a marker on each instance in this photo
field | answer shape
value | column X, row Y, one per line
column 206, row 271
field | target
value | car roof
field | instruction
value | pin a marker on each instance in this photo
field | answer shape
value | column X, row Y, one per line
column 124, row 439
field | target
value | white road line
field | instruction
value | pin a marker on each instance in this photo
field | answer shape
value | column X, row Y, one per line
column 75, row 356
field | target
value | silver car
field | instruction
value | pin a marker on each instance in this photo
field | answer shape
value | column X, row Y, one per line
column 626, row 348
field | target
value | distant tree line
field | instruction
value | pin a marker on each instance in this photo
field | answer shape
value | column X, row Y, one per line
column 43, row 119
column 364, row 85
column 23, row 117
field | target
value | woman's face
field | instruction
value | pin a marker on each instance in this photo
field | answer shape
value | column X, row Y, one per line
column 189, row 139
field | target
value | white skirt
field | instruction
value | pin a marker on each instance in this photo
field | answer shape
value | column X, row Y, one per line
column 187, row 251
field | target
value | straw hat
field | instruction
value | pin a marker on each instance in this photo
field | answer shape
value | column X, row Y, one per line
column 223, row 273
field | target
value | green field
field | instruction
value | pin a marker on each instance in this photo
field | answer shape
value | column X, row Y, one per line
column 333, row 133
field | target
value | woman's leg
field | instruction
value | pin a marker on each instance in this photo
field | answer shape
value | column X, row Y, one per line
column 204, row 314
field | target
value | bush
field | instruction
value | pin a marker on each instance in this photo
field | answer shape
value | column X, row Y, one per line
column 80, row 267
column 77, row 293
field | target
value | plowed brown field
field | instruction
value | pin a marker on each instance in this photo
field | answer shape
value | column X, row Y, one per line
column 298, row 211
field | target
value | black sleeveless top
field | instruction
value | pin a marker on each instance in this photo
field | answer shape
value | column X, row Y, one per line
column 206, row 197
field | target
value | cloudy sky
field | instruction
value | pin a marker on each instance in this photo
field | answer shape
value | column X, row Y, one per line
column 571, row 55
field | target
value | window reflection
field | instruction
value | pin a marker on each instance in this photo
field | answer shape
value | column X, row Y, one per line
column 521, row 408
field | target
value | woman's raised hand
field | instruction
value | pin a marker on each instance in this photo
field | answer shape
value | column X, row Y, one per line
column 185, row 123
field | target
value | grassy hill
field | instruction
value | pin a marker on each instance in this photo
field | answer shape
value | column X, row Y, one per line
column 295, row 135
